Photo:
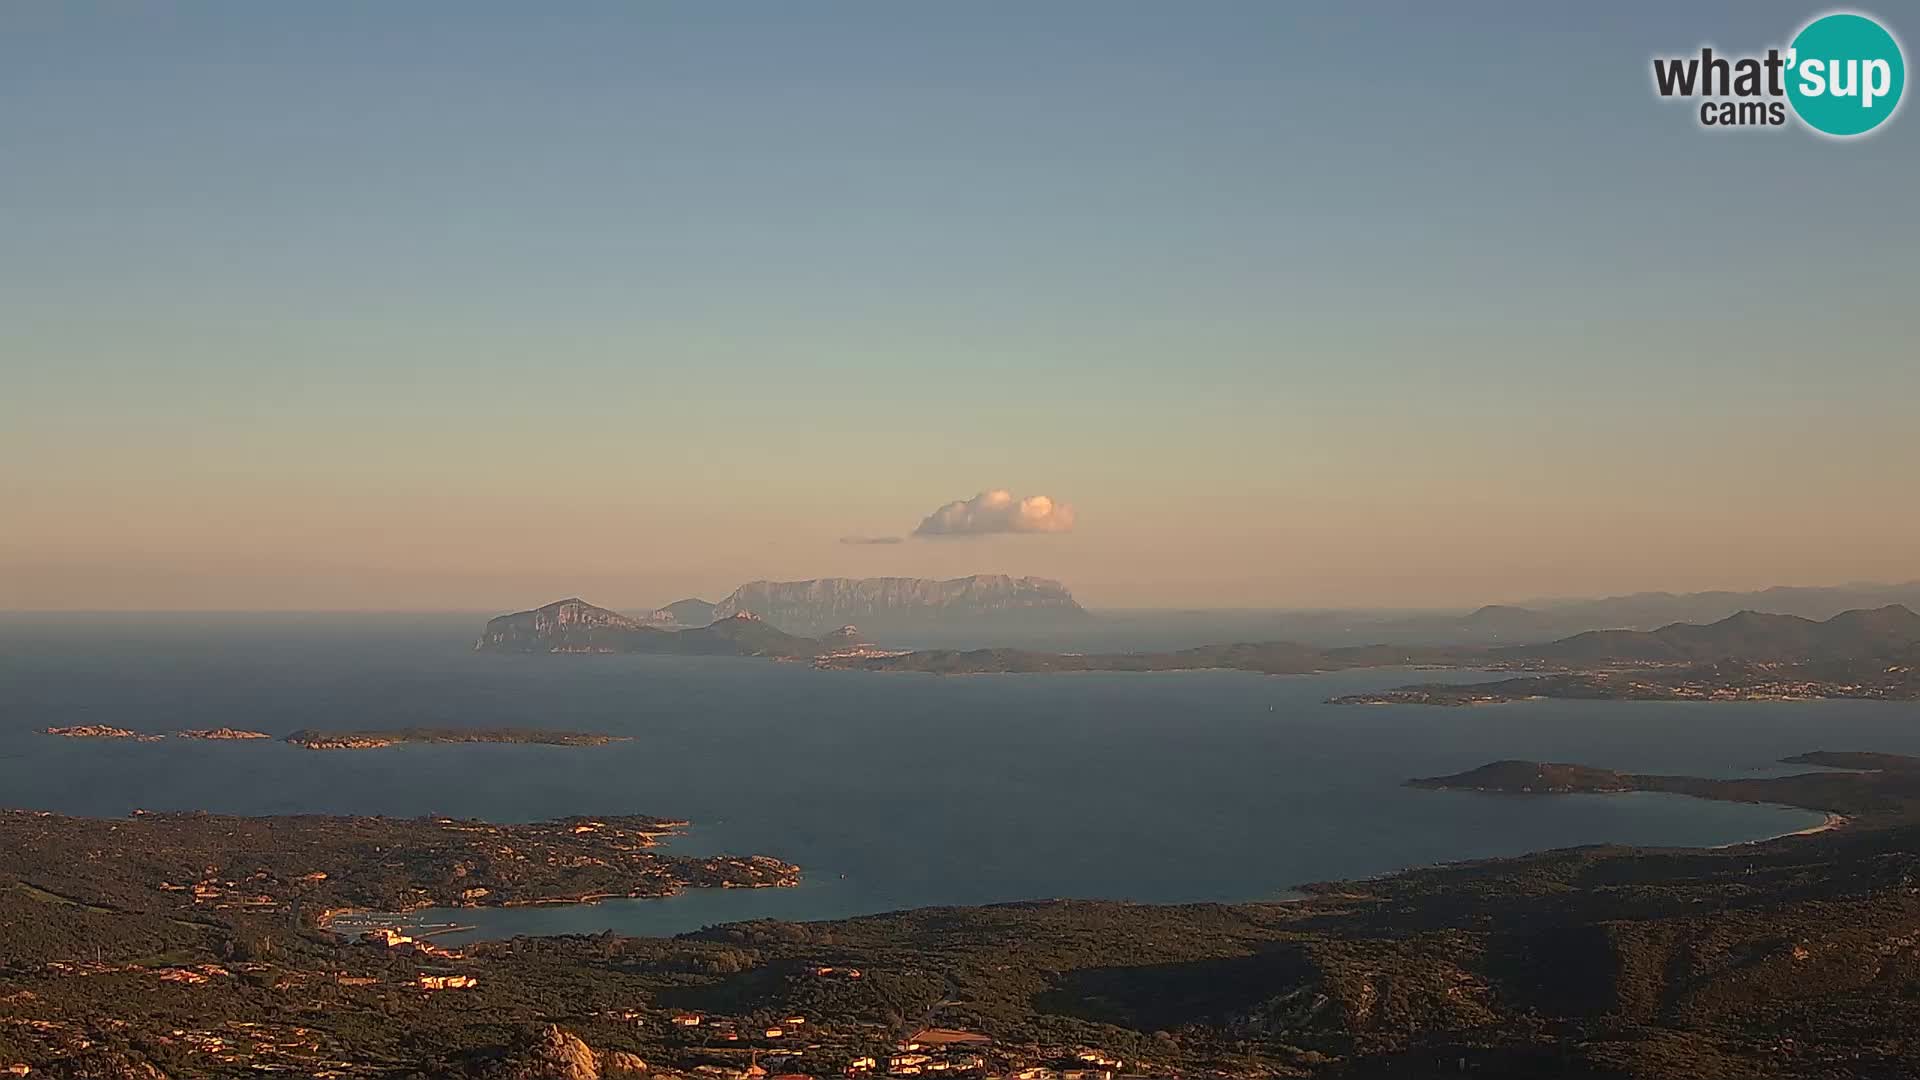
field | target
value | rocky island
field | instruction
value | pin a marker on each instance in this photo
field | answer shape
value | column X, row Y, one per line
column 373, row 739
column 100, row 731
column 223, row 734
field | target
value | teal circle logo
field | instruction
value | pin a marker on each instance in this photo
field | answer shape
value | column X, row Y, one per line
column 1845, row 74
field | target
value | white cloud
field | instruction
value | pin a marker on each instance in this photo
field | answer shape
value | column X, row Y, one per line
column 997, row 511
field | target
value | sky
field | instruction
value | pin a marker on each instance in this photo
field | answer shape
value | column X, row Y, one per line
column 466, row 306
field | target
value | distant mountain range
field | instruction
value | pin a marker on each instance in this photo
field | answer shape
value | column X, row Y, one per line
column 1746, row 635
column 1750, row 655
column 1660, row 608
column 1492, row 625
column 878, row 604
column 1040, row 614
column 1891, row 632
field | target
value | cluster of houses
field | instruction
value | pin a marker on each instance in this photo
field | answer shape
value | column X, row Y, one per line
column 446, row 982
column 928, row 1052
column 729, row 1031
column 402, row 945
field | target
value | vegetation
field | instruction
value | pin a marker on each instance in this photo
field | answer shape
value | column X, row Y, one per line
column 1854, row 654
column 299, row 868
column 1792, row 957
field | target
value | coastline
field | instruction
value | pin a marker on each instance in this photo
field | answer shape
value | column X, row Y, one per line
column 1832, row 823
column 1296, row 893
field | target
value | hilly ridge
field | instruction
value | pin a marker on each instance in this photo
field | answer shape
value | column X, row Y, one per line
column 575, row 626
column 1746, row 638
column 1745, row 635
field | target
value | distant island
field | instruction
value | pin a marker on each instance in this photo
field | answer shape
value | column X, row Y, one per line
column 820, row 604
column 373, row 739
column 362, row 739
column 100, row 731
column 575, row 626
column 817, row 605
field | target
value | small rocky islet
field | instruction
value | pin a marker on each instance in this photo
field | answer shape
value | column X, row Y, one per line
column 362, row 739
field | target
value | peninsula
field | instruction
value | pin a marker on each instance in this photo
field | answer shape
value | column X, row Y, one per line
column 1878, row 787
column 1882, row 678
column 190, row 944
column 304, row 866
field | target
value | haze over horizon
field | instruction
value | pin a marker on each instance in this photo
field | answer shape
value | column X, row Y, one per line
column 359, row 307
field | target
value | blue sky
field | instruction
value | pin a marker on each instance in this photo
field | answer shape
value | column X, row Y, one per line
column 354, row 304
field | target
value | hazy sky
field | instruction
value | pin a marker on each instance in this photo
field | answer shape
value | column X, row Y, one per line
column 449, row 306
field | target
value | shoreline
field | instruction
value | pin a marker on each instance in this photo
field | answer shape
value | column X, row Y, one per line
column 1295, row 894
column 1832, row 823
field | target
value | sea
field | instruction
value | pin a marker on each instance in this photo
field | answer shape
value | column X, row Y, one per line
column 890, row 790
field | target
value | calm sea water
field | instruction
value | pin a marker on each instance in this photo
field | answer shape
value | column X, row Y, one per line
column 890, row 790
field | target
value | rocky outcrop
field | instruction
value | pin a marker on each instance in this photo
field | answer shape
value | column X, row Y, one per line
column 552, row 1054
column 622, row 1065
column 822, row 604
column 100, row 731
column 93, row 731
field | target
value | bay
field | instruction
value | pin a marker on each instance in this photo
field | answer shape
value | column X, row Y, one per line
column 890, row 790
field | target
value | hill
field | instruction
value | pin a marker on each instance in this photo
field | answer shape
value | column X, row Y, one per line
column 692, row 611
column 1646, row 610
column 575, row 626
column 1747, row 636
column 1530, row 777
column 1748, row 656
